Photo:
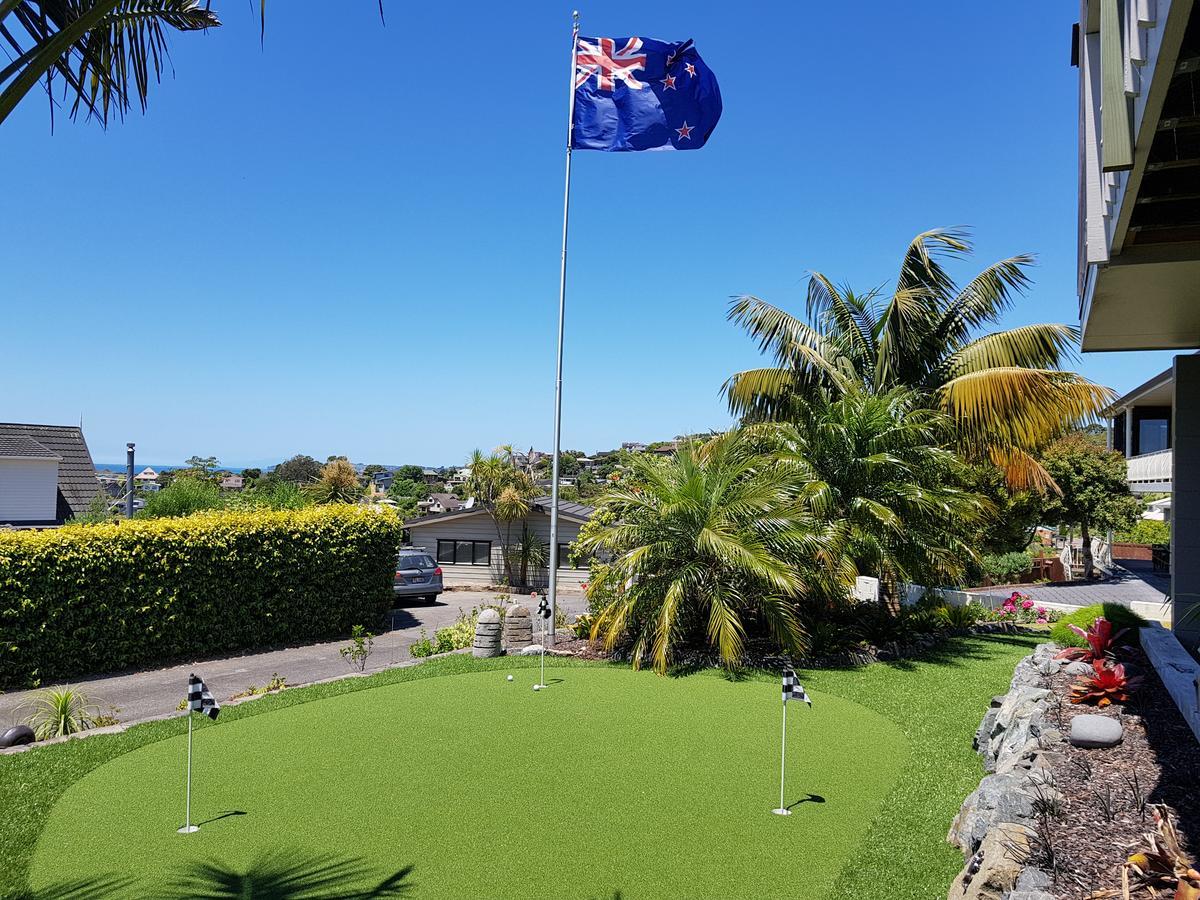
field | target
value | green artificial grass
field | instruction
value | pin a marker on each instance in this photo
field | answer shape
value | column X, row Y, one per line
column 1120, row 616
column 608, row 781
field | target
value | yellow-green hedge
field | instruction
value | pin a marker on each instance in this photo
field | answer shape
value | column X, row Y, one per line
column 89, row 599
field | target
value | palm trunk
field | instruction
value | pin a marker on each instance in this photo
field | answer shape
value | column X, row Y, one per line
column 1088, row 562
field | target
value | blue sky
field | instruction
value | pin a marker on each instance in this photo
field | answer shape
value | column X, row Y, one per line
column 347, row 240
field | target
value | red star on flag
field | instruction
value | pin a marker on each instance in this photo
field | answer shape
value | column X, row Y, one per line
column 685, row 133
column 691, row 70
column 669, row 83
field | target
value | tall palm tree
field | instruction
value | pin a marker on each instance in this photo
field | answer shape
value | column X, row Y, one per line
column 1006, row 390
column 505, row 492
column 104, row 51
column 873, row 467
column 701, row 546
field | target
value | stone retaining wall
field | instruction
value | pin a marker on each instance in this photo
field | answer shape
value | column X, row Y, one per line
column 996, row 824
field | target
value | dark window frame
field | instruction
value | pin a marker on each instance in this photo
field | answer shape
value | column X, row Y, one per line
column 452, row 559
column 1149, row 414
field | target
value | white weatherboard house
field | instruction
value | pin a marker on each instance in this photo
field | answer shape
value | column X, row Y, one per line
column 1139, row 246
column 466, row 545
column 46, row 475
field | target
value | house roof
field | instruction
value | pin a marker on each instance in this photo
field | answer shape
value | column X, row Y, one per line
column 77, row 484
column 576, row 511
column 22, row 446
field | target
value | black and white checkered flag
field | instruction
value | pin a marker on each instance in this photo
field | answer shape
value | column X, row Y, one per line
column 792, row 688
column 200, row 700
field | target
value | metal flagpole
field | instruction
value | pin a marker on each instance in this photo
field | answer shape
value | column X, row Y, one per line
column 782, row 810
column 188, row 827
column 552, row 592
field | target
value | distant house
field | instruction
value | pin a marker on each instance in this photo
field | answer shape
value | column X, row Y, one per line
column 46, row 474
column 460, row 476
column 232, row 483
column 436, row 504
column 465, row 543
column 587, row 462
column 667, row 448
column 383, row 480
column 431, row 476
column 147, row 474
column 633, row 446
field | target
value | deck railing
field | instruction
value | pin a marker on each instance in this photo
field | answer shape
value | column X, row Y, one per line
column 1151, row 468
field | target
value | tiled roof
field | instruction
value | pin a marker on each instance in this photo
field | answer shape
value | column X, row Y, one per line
column 77, row 484
column 22, row 446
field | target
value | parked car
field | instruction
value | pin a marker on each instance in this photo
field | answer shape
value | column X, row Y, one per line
column 417, row 575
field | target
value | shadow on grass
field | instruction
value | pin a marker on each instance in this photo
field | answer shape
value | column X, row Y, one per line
column 78, row 889
column 225, row 815
column 811, row 798
column 278, row 875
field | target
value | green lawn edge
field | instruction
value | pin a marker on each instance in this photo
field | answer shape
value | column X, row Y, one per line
column 936, row 712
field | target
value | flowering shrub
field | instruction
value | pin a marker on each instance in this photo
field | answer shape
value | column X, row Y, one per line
column 1021, row 609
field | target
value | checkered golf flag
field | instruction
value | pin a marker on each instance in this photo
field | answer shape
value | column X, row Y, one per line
column 201, row 701
column 793, row 689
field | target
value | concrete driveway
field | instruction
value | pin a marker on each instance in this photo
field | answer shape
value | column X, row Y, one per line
column 157, row 692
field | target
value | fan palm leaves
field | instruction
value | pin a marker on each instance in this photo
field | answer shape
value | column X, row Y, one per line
column 105, row 51
column 702, row 546
column 1006, row 391
column 874, row 467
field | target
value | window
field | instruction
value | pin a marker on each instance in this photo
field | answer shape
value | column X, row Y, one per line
column 464, row 553
column 564, row 558
column 1151, row 429
column 416, row 561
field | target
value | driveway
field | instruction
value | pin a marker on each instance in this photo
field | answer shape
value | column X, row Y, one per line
column 157, row 692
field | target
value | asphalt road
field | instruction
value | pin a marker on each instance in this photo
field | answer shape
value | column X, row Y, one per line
column 157, row 692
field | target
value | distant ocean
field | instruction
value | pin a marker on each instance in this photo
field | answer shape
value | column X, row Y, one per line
column 138, row 466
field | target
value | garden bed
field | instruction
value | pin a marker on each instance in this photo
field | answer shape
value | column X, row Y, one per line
column 1108, row 791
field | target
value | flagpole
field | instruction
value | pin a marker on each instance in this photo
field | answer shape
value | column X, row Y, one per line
column 782, row 810
column 552, row 591
column 188, row 827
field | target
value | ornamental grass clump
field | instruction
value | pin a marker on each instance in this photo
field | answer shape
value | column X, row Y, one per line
column 59, row 712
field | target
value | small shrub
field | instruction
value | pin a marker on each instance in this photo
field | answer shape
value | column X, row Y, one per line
column 582, row 626
column 1107, row 684
column 963, row 616
column 422, row 647
column 1005, row 568
column 59, row 712
column 458, row 635
column 1146, row 531
column 359, row 648
column 1120, row 616
column 182, row 497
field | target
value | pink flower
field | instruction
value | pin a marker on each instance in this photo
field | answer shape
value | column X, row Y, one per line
column 1005, row 611
column 1026, row 603
column 1041, row 610
column 1041, row 620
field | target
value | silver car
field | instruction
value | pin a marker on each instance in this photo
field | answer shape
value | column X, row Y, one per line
column 417, row 575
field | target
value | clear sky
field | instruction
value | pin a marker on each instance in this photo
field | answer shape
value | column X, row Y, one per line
column 347, row 240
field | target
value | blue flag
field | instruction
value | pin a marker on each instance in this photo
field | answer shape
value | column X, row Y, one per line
column 642, row 94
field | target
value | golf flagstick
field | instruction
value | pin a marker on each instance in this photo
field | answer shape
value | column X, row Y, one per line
column 792, row 690
column 198, row 700
column 188, row 827
column 782, row 810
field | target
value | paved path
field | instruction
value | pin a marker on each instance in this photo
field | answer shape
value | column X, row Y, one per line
column 1132, row 582
column 143, row 695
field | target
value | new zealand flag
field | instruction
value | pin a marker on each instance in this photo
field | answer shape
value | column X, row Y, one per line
column 642, row 94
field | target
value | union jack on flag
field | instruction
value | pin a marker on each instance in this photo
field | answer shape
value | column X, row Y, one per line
column 635, row 93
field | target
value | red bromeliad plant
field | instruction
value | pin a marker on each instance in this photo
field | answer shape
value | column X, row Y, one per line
column 1108, row 684
column 1101, row 640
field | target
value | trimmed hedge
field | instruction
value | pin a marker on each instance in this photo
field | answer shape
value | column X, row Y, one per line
column 98, row 598
column 1120, row 616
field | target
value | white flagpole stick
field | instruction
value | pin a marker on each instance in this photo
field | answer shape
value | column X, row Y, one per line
column 188, row 827
column 552, row 591
column 782, row 810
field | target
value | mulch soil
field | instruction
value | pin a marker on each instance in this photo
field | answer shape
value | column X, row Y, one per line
column 1108, row 792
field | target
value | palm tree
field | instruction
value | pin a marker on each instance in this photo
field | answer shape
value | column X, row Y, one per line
column 702, row 547
column 105, row 51
column 873, row 467
column 1005, row 390
column 505, row 493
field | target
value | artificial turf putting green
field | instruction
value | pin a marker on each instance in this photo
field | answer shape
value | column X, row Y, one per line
column 609, row 780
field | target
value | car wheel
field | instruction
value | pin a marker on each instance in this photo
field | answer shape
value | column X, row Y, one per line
column 431, row 599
